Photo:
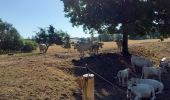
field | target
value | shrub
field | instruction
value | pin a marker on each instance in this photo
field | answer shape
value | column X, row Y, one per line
column 29, row 46
column 10, row 39
column 161, row 38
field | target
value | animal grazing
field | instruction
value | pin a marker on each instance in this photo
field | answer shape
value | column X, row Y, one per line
column 82, row 47
column 140, row 91
column 123, row 76
column 158, row 86
column 140, row 62
column 147, row 71
column 42, row 47
column 90, row 47
column 95, row 47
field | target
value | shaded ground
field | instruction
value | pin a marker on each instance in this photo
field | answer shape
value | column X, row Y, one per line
column 108, row 64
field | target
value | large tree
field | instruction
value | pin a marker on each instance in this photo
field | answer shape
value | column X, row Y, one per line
column 133, row 16
column 10, row 39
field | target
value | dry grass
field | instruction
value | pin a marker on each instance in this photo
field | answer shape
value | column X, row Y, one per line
column 36, row 76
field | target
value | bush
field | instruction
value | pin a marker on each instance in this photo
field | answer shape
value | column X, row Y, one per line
column 161, row 38
column 105, row 37
column 10, row 39
column 29, row 46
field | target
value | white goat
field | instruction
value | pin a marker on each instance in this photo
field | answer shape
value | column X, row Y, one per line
column 123, row 75
column 140, row 62
column 140, row 91
column 43, row 48
column 82, row 47
column 147, row 71
column 158, row 86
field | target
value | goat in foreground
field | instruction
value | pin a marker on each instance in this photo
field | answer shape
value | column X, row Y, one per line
column 140, row 91
column 158, row 86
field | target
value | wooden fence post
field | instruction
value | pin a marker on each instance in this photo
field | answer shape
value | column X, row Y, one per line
column 88, row 87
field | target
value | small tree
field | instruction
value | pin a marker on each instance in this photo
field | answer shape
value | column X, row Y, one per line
column 48, row 37
column 67, row 42
column 65, row 39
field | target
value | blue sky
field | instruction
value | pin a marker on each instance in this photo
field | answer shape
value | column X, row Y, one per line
column 27, row 15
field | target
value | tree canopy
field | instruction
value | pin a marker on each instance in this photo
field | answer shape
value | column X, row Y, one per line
column 51, row 36
column 134, row 16
column 10, row 39
column 48, row 36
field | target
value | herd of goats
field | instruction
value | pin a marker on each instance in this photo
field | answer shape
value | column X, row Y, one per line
column 91, row 48
column 82, row 47
column 137, row 88
column 145, row 86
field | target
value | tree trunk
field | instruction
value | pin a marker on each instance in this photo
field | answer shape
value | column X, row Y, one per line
column 47, row 47
column 125, row 50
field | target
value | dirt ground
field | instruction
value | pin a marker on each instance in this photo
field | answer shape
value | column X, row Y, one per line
column 52, row 76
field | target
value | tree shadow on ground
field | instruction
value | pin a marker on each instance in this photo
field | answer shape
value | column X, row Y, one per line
column 105, row 65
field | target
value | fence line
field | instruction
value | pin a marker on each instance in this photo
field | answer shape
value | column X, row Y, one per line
column 116, row 87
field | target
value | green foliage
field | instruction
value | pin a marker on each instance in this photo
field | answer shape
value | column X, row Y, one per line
column 29, row 46
column 66, row 40
column 135, row 16
column 41, row 36
column 105, row 37
column 51, row 36
column 63, row 35
column 10, row 39
column 103, row 15
column 48, row 36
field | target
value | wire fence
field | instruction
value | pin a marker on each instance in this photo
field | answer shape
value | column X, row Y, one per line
column 104, row 79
